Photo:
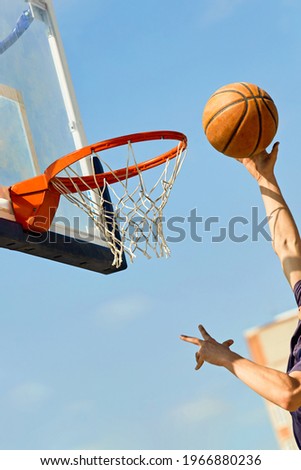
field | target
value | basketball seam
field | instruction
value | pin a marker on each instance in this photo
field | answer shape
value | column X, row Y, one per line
column 270, row 111
column 230, row 90
column 259, row 116
column 265, row 98
column 241, row 119
column 220, row 111
column 227, row 91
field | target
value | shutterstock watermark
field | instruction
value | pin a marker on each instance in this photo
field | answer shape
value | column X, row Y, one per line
column 237, row 229
column 176, row 229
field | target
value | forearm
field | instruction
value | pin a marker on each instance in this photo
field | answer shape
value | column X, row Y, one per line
column 275, row 386
column 283, row 229
column 278, row 387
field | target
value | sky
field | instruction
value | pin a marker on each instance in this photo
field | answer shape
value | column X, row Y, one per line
column 95, row 362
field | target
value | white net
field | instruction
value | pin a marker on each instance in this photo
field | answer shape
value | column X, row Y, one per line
column 129, row 213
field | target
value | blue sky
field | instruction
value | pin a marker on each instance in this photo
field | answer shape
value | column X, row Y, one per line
column 95, row 362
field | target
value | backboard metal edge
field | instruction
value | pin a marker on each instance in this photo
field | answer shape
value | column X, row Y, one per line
column 52, row 246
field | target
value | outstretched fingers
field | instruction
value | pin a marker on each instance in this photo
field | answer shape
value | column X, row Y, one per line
column 192, row 340
column 199, row 360
column 197, row 342
column 204, row 333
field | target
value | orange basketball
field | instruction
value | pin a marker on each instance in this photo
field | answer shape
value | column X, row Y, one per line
column 240, row 120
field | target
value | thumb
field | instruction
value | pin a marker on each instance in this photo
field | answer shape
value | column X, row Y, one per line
column 228, row 343
column 274, row 152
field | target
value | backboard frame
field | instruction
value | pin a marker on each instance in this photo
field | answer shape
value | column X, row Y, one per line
column 61, row 244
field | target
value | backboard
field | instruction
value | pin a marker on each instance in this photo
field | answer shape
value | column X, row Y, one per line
column 40, row 122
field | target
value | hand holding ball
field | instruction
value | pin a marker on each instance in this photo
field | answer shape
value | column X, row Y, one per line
column 240, row 120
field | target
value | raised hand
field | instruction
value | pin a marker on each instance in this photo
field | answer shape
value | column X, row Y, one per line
column 210, row 351
column 261, row 165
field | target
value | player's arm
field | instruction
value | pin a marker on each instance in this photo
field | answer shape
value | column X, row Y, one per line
column 284, row 232
column 278, row 387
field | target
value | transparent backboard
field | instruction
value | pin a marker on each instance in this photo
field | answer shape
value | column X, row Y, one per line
column 40, row 120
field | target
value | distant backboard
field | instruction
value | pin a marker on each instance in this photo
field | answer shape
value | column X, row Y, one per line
column 40, row 122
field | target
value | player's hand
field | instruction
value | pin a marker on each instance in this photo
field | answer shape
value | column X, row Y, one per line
column 261, row 165
column 210, row 350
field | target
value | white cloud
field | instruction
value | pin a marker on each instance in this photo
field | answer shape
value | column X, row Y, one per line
column 291, row 3
column 29, row 395
column 199, row 410
column 218, row 10
column 80, row 407
column 123, row 309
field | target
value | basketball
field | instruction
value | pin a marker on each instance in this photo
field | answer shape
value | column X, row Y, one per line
column 240, row 120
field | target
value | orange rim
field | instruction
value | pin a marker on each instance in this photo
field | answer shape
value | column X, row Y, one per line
column 93, row 181
column 36, row 199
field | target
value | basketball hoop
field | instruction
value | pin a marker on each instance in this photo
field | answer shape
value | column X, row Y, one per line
column 128, row 215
